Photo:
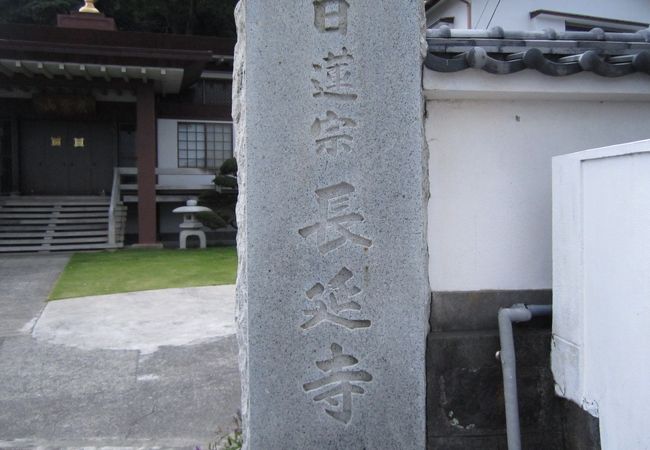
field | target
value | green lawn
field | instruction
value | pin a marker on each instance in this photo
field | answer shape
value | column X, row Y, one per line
column 141, row 270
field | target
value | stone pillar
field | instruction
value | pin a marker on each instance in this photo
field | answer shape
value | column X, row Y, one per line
column 332, row 288
column 145, row 139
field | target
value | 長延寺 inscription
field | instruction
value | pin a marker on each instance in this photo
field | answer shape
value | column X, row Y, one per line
column 339, row 295
column 333, row 229
column 341, row 384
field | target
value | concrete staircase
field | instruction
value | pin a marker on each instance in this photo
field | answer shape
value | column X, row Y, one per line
column 47, row 224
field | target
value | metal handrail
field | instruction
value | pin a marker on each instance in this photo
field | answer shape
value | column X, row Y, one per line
column 115, row 199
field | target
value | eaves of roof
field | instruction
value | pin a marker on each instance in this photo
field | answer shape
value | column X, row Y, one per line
column 44, row 45
column 48, row 35
column 550, row 52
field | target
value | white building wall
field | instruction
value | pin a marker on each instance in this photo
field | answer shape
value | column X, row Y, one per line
column 601, row 220
column 515, row 14
column 490, row 170
column 451, row 8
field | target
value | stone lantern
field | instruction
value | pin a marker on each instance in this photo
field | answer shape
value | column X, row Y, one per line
column 190, row 225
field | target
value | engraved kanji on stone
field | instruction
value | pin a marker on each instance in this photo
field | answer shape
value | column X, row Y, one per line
column 331, row 300
column 332, row 133
column 341, row 384
column 334, row 76
column 333, row 230
column 331, row 16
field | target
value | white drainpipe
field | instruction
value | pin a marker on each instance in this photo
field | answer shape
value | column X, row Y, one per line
column 516, row 313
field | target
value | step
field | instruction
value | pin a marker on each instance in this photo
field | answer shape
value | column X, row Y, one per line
column 52, row 220
column 60, row 216
column 22, row 203
column 42, row 209
column 53, row 241
column 80, row 226
column 49, row 248
column 71, row 223
column 56, row 214
column 54, row 198
column 61, row 227
column 54, row 233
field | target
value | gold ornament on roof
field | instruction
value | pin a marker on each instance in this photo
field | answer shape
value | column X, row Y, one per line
column 89, row 7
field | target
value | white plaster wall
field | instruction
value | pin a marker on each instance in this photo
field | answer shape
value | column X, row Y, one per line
column 168, row 156
column 515, row 15
column 490, row 182
column 601, row 288
column 449, row 8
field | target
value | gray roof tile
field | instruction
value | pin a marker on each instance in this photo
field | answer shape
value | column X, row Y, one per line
column 550, row 52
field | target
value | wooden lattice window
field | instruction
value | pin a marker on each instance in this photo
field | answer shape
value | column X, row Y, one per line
column 204, row 145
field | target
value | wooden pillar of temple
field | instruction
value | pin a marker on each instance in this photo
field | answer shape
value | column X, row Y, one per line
column 146, row 155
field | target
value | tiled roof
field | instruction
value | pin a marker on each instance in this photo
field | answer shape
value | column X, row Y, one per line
column 550, row 52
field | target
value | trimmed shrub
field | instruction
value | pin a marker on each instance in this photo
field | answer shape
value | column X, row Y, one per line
column 229, row 167
column 211, row 220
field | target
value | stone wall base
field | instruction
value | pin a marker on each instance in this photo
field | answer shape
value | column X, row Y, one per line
column 465, row 408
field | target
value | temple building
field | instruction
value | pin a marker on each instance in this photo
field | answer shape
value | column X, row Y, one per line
column 103, row 132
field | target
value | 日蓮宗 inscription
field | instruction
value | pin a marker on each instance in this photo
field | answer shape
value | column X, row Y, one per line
column 332, row 287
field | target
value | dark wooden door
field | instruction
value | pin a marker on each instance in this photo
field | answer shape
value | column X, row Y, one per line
column 77, row 156
column 66, row 158
column 5, row 157
column 126, row 145
column 101, row 150
column 43, row 165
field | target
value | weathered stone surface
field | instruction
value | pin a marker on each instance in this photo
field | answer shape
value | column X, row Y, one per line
column 332, row 285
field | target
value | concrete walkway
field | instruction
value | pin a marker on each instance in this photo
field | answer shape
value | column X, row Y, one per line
column 155, row 369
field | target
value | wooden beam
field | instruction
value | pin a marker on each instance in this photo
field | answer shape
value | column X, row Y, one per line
column 64, row 71
column 84, row 72
column 125, row 77
column 20, row 81
column 6, row 72
column 163, row 75
column 143, row 72
column 104, row 72
column 20, row 67
column 44, row 70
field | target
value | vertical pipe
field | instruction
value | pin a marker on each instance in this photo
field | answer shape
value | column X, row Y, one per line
column 517, row 313
column 509, row 368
